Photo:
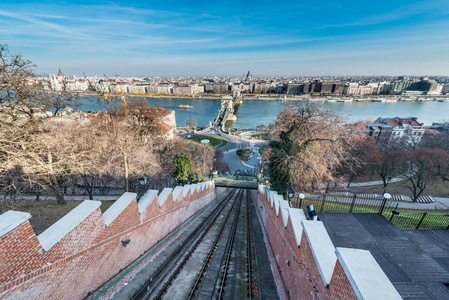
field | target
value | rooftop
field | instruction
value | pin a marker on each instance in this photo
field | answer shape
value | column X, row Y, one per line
column 415, row 261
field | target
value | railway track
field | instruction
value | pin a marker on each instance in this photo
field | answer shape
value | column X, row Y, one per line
column 216, row 261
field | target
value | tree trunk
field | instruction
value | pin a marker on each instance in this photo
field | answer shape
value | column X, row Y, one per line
column 125, row 163
column 89, row 187
column 55, row 187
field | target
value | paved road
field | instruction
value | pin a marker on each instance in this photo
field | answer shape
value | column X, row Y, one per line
column 229, row 151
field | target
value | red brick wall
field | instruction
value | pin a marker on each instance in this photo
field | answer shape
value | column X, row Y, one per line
column 90, row 253
column 302, row 279
column 340, row 286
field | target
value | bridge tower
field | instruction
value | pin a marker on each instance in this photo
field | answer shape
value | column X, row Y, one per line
column 237, row 97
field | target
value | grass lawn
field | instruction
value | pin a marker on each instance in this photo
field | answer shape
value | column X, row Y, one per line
column 214, row 141
column 46, row 213
column 263, row 136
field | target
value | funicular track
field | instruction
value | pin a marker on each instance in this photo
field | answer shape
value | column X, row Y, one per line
column 223, row 254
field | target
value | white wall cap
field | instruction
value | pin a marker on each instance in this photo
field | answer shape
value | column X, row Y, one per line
column 267, row 193
column 296, row 217
column 271, row 195
column 178, row 189
column 53, row 234
column 284, row 211
column 199, row 187
column 365, row 275
column 163, row 196
column 116, row 209
column 11, row 219
column 193, row 188
column 185, row 190
column 277, row 199
column 146, row 200
column 322, row 248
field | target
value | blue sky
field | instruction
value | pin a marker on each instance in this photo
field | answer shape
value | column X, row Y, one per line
column 171, row 38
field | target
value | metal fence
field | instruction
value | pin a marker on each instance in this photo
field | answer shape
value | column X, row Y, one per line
column 354, row 204
column 420, row 220
column 367, row 204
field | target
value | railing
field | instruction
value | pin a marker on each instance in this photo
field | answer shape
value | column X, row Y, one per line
column 420, row 220
column 387, row 208
column 354, row 204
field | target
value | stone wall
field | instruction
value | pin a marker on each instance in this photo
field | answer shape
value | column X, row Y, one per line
column 306, row 264
column 84, row 248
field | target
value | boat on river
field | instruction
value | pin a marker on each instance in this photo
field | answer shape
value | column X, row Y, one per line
column 345, row 100
column 185, row 106
column 377, row 100
column 446, row 100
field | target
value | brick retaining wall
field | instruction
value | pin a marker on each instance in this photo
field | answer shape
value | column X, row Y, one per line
column 306, row 264
column 81, row 251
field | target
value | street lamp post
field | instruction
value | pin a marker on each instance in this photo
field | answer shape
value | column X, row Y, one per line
column 290, row 194
column 386, row 198
column 301, row 197
column 143, row 183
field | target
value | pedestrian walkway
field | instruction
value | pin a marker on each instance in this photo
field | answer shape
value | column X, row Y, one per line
column 374, row 182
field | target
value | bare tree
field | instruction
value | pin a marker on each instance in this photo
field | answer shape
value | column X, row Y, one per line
column 387, row 166
column 364, row 154
column 128, row 153
column 421, row 167
column 202, row 156
column 23, row 96
column 191, row 122
column 308, row 146
column 45, row 154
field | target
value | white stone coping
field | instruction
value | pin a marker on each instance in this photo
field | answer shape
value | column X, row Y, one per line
column 271, row 196
column 365, row 275
column 185, row 190
column 296, row 217
column 178, row 189
column 284, row 211
column 52, row 235
column 11, row 219
column 146, row 200
column 277, row 203
column 164, row 195
column 322, row 248
column 116, row 209
column 193, row 188
column 199, row 187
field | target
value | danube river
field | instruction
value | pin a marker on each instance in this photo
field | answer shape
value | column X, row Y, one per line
column 255, row 112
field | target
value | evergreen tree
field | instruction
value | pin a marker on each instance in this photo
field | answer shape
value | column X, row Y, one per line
column 279, row 169
column 183, row 167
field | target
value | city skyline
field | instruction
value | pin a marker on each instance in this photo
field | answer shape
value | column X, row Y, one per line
column 205, row 38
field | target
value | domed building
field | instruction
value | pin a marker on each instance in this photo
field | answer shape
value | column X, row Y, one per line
column 60, row 74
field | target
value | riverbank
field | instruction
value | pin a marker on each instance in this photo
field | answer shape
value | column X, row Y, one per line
column 281, row 97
